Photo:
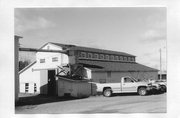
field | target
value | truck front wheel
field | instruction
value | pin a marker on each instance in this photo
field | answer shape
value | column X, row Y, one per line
column 107, row 92
column 142, row 91
column 163, row 88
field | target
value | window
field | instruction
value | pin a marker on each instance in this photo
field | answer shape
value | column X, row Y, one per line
column 112, row 57
column 90, row 55
column 125, row 58
column 107, row 57
column 101, row 56
column 129, row 58
column 54, row 59
column 83, row 54
column 79, row 54
column 132, row 59
column 96, row 56
column 42, row 60
column 116, row 58
column 35, row 88
column 128, row 80
column 121, row 58
column 26, row 87
column 109, row 74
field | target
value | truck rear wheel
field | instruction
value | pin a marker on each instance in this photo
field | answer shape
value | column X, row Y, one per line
column 142, row 91
column 107, row 92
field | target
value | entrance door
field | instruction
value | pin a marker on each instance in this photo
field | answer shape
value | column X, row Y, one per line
column 51, row 82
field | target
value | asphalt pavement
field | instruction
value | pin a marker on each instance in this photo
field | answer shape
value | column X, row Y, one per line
column 120, row 103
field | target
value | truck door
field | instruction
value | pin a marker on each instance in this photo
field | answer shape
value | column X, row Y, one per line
column 128, row 85
column 116, row 87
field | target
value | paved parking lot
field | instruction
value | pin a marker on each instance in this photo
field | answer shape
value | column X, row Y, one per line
column 120, row 103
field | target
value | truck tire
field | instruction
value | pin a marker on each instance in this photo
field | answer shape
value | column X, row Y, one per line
column 107, row 92
column 142, row 91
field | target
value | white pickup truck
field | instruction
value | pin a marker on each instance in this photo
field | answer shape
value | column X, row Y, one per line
column 126, row 85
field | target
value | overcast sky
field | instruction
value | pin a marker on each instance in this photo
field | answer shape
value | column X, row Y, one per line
column 137, row 31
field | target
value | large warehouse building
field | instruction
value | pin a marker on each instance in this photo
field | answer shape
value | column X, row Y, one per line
column 106, row 67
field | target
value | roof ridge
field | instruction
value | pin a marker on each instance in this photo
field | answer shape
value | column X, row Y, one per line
column 105, row 50
column 148, row 66
column 75, row 47
column 61, row 44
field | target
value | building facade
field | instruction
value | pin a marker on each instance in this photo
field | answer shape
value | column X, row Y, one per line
column 38, row 77
column 106, row 66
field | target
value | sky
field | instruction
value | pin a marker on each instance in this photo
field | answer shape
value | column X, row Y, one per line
column 140, row 31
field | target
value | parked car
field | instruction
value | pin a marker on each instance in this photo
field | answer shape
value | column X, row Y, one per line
column 126, row 85
column 162, row 84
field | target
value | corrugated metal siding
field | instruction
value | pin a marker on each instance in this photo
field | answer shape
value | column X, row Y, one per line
column 116, row 76
column 96, row 76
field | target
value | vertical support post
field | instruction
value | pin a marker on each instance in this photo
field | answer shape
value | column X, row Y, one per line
column 160, row 74
column 16, row 62
column 91, row 87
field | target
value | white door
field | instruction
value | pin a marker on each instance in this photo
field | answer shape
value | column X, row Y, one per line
column 128, row 85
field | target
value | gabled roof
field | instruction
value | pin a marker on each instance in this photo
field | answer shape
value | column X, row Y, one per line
column 117, row 66
column 28, row 66
column 81, row 48
column 57, row 44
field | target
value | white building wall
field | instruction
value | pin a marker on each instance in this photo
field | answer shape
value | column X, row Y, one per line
column 31, row 77
column 62, row 58
column 38, row 72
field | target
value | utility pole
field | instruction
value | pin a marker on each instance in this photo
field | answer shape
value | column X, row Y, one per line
column 16, row 66
column 160, row 66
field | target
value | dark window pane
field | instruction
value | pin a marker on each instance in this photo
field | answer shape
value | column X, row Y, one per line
column 42, row 60
column 101, row 56
column 54, row 59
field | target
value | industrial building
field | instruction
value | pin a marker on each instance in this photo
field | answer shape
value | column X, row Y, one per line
column 101, row 66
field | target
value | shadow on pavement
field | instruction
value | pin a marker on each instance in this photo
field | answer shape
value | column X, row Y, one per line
column 124, row 94
column 135, row 94
column 42, row 99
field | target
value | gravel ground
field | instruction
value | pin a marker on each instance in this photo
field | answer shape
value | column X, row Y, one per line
column 121, row 103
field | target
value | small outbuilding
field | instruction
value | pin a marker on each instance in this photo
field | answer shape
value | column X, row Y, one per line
column 75, row 88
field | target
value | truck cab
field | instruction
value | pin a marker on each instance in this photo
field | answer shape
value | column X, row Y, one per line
column 126, row 85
